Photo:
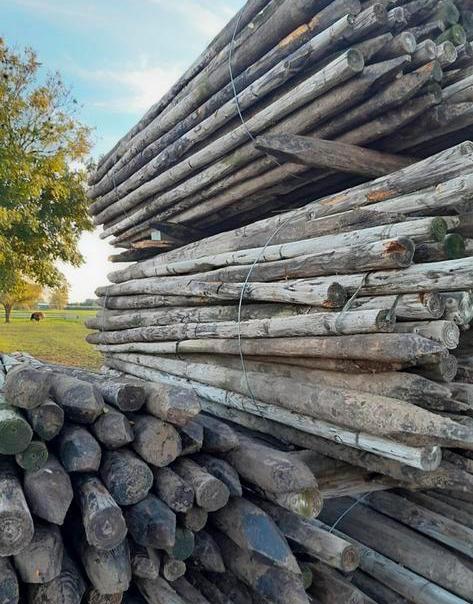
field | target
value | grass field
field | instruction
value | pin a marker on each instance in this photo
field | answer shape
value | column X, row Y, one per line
column 60, row 338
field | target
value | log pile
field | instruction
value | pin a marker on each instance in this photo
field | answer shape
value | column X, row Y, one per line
column 231, row 517
column 246, row 131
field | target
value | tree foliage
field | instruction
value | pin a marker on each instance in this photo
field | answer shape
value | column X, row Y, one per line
column 43, row 206
column 22, row 292
column 59, row 297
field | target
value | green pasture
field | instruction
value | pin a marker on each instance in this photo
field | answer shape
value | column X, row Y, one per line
column 59, row 338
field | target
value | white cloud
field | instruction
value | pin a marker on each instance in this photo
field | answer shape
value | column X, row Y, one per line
column 143, row 86
column 93, row 273
column 208, row 18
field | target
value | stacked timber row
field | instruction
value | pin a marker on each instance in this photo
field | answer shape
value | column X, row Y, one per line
column 98, row 515
column 223, row 147
column 340, row 319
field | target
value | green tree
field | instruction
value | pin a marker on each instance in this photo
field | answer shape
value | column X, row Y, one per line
column 43, row 205
column 59, row 297
column 22, row 292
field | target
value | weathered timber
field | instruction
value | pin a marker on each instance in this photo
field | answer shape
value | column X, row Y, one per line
column 124, row 395
column 188, row 592
column 362, row 239
column 425, row 521
column 444, row 371
column 164, row 156
column 49, row 491
column 400, row 543
column 206, row 554
column 16, row 524
column 26, row 387
column 15, row 432
column 440, row 507
column 218, row 437
column 335, row 155
column 208, row 588
column 340, row 70
column 112, row 429
column 268, row 468
column 232, row 587
column 151, row 523
column 168, row 403
column 116, row 320
column 108, row 571
column 375, row 589
column 405, row 422
column 313, row 324
column 226, row 404
column 126, row 476
column 306, row 503
column 313, row 541
column 194, row 519
column 41, row 560
column 9, row 588
column 46, row 420
column 172, row 569
column 67, row 588
column 34, row 457
column 103, row 521
column 145, row 561
column 173, row 490
column 183, row 545
column 157, row 442
column 444, row 332
column 222, row 470
column 82, row 402
column 192, row 437
column 158, row 591
column 331, row 587
column 78, row 450
column 253, row 530
column 210, row 493
column 450, row 164
column 276, row 584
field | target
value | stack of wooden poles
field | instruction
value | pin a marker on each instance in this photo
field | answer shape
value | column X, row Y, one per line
column 223, row 147
column 339, row 319
column 123, row 506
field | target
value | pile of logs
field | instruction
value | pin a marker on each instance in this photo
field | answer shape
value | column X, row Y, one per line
column 245, row 132
column 103, row 501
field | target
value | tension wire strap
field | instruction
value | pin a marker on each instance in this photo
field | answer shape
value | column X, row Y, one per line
column 347, row 511
column 349, row 304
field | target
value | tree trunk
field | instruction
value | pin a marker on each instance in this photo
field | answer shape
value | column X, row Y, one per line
column 8, row 308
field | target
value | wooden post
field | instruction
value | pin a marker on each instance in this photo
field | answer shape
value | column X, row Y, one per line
column 103, row 521
column 34, row 457
column 112, row 429
column 210, row 493
column 68, row 588
column 173, row 490
column 15, row 432
column 108, row 571
column 9, row 588
column 222, row 470
column 335, row 155
column 126, row 476
column 46, row 420
column 26, row 387
column 78, row 450
column 157, row 442
column 206, row 554
column 41, row 560
column 15, row 518
column 151, row 523
column 145, row 561
column 49, row 491
column 82, row 402
column 254, row 531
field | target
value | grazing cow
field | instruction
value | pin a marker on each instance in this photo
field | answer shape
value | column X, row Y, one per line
column 37, row 316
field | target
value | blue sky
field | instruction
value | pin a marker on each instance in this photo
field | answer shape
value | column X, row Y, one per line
column 119, row 57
